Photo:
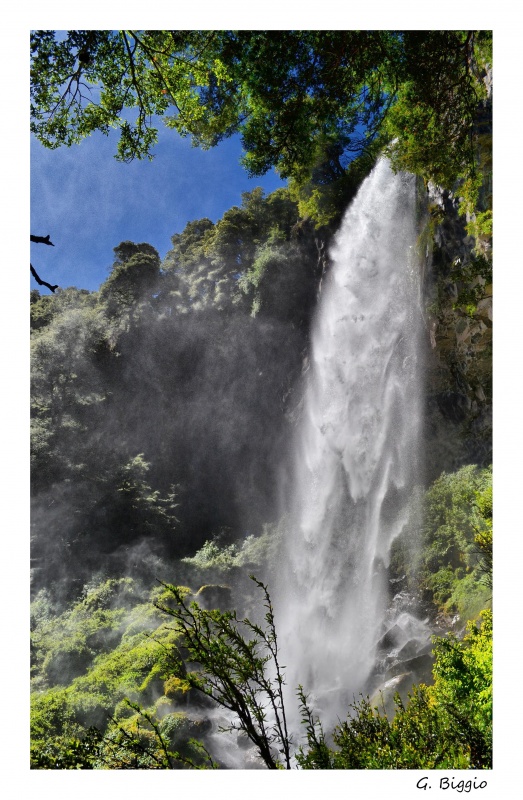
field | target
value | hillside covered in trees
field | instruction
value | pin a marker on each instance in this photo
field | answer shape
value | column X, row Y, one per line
column 166, row 406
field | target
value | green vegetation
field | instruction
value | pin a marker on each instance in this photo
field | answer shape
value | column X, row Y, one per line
column 451, row 566
column 250, row 260
column 447, row 725
column 106, row 366
column 232, row 656
column 323, row 194
column 472, row 280
column 129, row 709
column 111, row 681
column 305, row 102
column 92, row 665
column 113, row 687
column 196, row 344
column 450, row 560
column 432, row 120
column 282, row 89
column 134, row 278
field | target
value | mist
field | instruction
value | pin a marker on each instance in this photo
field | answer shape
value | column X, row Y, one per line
column 165, row 422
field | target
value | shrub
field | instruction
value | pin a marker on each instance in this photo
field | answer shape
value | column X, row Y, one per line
column 444, row 726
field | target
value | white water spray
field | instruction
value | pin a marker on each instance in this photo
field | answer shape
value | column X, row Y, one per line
column 357, row 449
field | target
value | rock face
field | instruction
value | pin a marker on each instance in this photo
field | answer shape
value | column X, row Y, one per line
column 402, row 675
column 458, row 302
column 404, row 653
column 459, row 377
column 383, row 697
column 214, row 596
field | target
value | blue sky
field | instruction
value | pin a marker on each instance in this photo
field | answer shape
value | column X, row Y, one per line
column 88, row 202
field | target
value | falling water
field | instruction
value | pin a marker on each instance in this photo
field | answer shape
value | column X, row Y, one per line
column 357, row 449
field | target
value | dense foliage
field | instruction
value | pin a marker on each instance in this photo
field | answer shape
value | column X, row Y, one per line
column 305, row 102
column 91, row 665
column 114, row 687
column 152, row 399
column 447, row 725
column 232, row 657
column 449, row 561
column 147, row 434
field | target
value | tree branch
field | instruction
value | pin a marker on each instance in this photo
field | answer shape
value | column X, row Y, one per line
column 40, row 281
column 42, row 239
column 36, row 276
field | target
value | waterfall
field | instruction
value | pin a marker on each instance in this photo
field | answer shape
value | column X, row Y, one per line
column 356, row 453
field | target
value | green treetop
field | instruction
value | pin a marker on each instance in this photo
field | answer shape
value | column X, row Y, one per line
column 295, row 97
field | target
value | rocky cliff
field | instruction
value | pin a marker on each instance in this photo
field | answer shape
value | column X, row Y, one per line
column 458, row 316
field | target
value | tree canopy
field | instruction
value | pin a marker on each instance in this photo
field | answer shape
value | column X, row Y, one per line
column 299, row 99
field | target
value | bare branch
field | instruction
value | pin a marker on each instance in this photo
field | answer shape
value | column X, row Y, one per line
column 40, row 281
column 42, row 239
column 36, row 276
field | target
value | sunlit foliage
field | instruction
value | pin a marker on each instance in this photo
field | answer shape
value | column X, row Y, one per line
column 109, row 648
column 449, row 561
column 305, row 102
column 447, row 725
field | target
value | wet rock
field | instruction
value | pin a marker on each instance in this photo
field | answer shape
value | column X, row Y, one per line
column 484, row 311
column 213, row 596
column 453, row 405
column 398, row 584
column 392, row 638
column 414, row 648
column 178, row 727
column 383, row 697
column 253, row 760
column 420, row 667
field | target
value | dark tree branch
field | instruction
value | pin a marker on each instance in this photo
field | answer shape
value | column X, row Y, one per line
column 36, row 276
column 40, row 281
column 233, row 670
column 42, row 239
